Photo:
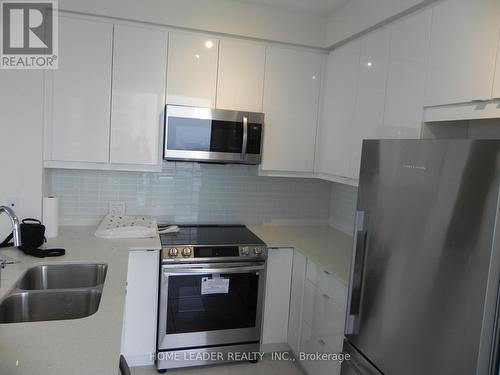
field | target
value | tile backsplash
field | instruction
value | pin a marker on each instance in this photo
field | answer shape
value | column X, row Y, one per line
column 191, row 193
column 342, row 207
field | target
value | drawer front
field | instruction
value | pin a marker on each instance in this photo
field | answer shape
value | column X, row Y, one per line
column 325, row 318
column 328, row 283
column 312, row 343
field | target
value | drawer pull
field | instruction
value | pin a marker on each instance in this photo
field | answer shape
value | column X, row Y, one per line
column 321, row 342
column 326, row 272
column 325, row 296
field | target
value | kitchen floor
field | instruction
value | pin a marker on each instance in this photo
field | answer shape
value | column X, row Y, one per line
column 264, row 367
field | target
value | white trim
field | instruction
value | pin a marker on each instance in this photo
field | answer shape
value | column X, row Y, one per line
column 338, row 179
column 268, row 173
column 59, row 164
column 463, row 111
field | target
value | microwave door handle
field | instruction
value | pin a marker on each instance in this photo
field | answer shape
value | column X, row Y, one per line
column 355, row 295
column 245, row 138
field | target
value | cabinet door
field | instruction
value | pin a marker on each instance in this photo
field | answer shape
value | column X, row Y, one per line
column 139, row 74
column 404, row 102
column 240, row 75
column 462, row 53
column 296, row 298
column 141, row 304
column 277, row 297
column 291, row 94
column 192, row 69
column 369, row 114
column 496, row 85
column 337, row 111
column 79, row 92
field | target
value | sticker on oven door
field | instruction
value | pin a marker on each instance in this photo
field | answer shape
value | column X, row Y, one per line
column 214, row 285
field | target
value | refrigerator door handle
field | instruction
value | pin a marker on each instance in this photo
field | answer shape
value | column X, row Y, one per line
column 356, row 279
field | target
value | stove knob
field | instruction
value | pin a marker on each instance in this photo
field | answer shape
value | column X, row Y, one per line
column 186, row 252
column 245, row 251
column 172, row 252
column 257, row 250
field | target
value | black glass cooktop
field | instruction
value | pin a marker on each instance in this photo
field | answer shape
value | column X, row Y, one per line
column 206, row 235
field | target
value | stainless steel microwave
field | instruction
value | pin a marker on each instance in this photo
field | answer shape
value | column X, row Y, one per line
column 213, row 135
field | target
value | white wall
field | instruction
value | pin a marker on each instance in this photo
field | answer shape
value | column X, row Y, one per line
column 21, row 122
column 356, row 16
column 342, row 207
column 223, row 16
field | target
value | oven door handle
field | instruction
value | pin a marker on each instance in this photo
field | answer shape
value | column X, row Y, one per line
column 210, row 270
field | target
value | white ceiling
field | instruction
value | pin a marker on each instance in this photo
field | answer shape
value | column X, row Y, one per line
column 320, row 7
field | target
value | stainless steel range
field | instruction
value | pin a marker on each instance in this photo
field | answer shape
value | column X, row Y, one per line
column 211, row 295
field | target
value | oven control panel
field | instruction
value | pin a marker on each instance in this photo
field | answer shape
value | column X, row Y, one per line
column 190, row 252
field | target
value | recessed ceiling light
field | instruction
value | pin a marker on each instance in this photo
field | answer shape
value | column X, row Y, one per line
column 197, row 56
column 209, row 44
column 369, row 63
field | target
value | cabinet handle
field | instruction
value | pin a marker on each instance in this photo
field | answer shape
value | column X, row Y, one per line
column 321, row 342
column 326, row 272
column 325, row 296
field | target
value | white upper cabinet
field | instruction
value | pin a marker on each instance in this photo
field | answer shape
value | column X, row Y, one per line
column 291, row 95
column 463, row 51
column 138, row 94
column 496, row 85
column 78, row 94
column 240, row 75
column 335, row 130
column 192, row 69
column 371, row 91
column 406, row 81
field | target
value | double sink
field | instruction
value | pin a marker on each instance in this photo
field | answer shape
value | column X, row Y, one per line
column 55, row 292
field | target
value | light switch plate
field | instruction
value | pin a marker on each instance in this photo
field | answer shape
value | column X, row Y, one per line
column 117, row 207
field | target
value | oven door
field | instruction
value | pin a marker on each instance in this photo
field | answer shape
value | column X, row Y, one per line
column 204, row 134
column 210, row 304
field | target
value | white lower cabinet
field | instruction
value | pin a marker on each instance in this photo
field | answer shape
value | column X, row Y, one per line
column 323, row 317
column 296, row 301
column 312, row 343
column 141, row 306
column 277, row 298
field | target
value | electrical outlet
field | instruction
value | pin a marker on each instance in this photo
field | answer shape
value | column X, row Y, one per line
column 13, row 202
column 117, row 207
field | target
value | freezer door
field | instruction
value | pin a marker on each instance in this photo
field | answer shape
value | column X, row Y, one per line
column 424, row 294
column 356, row 364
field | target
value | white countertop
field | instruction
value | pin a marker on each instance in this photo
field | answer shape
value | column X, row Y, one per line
column 328, row 247
column 91, row 346
column 88, row 346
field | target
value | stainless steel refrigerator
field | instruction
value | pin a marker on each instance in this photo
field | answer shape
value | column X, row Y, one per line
column 424, row 287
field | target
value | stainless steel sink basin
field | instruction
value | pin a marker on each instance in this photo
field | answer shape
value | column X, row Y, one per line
column 55, row 292
column 63, row 276
column 49, row 305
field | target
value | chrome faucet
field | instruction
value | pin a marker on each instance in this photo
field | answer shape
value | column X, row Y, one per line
column 16, row 227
